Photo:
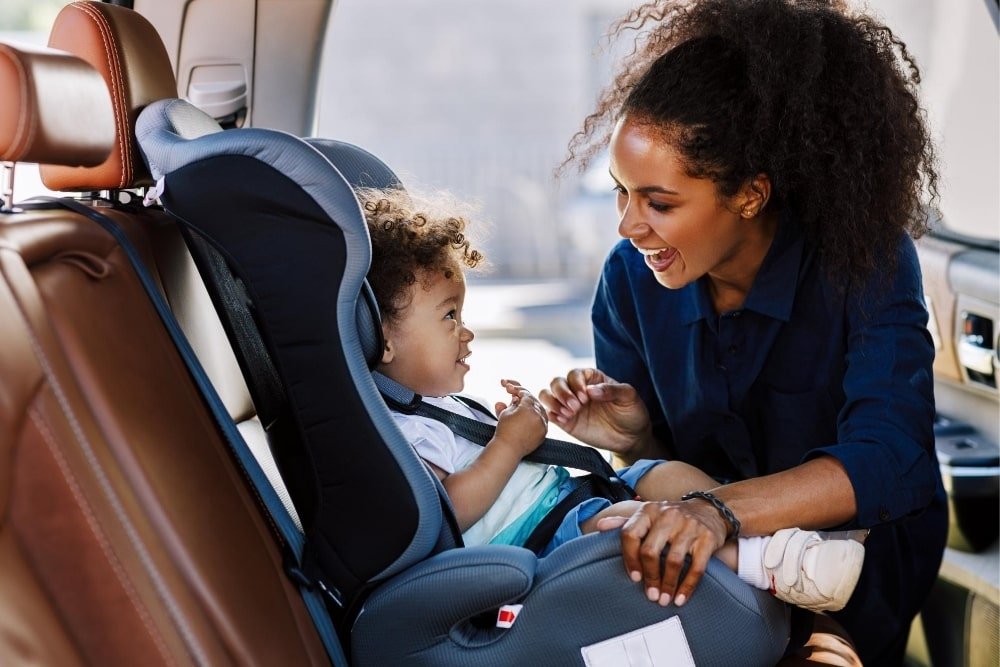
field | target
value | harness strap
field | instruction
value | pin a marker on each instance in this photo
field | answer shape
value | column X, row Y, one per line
column 602, row 481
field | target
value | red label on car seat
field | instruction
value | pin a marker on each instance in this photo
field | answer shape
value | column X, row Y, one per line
column 507, row 614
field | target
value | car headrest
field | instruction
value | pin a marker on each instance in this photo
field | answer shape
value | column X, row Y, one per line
column 128, row 53
column 49, row 97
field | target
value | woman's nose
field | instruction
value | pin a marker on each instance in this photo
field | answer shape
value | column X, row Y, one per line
column 630, row 226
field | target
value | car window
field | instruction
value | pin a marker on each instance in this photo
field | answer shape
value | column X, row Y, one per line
column 958, row 51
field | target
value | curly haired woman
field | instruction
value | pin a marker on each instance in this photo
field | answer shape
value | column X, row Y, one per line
column 763, row 318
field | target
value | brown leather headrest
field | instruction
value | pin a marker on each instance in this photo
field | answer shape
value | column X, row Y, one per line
column 54, row 108
column 127, row 51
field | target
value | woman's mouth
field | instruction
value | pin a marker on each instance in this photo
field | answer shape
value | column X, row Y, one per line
column 659, row 259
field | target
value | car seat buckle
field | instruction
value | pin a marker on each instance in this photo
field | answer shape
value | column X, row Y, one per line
column 301, row 579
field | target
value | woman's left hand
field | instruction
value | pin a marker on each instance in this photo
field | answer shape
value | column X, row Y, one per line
column 658, row 540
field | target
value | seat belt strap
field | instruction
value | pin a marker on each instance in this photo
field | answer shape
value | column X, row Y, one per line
column 546, row 528
column 312, row 591
column 550, row 452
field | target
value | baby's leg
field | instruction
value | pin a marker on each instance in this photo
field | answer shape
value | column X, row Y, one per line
column 672, row 479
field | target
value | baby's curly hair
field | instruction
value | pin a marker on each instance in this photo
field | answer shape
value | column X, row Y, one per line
column 822, row 101
column 412, row 237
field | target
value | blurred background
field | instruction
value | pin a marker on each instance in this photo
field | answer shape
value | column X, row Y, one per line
column 480, row 99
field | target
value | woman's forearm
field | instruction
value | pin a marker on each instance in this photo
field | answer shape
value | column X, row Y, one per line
column 814, row 495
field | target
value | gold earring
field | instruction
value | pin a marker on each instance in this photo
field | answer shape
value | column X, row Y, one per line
column 748, row 212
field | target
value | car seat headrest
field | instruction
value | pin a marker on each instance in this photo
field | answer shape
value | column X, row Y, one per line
column 362, row 169
column 48, row 97
column 128, row 53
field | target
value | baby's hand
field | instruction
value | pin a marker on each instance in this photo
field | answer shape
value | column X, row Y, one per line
column 523, row 423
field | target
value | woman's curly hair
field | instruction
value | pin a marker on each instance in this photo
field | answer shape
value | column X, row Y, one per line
column 413, row 239
column 822, row 101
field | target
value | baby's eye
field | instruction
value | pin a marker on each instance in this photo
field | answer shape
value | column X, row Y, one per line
column 452, row 315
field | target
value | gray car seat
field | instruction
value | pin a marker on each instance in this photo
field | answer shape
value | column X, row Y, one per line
column 280, row 213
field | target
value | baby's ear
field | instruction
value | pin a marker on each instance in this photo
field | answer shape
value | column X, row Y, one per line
column 388, row 350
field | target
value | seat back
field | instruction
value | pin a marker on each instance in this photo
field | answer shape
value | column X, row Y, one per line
column 128, row 535
column 291, row 231
column 129, row 55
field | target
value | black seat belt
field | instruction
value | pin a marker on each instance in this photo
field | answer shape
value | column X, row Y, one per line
column 602, row 482
column 288, row 535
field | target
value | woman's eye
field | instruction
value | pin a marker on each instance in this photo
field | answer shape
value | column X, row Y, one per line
column 658, row 207
column 619, row 190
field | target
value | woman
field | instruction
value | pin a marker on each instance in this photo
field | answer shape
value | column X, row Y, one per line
column 763, row 318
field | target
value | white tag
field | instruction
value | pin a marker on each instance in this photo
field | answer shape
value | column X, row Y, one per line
column 507, row 614
column 154, row 192
column 661, row 644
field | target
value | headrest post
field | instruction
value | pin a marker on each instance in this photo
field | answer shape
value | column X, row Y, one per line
column 7, row 187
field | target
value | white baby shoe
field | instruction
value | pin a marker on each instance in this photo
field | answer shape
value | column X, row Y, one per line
column 810, row 571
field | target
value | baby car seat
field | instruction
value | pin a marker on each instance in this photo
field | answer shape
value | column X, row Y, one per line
column 290, row 246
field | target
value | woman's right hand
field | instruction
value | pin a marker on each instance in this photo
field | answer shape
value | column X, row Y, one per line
column 599, row 411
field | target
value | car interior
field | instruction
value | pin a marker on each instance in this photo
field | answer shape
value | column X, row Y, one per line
column 175, row 368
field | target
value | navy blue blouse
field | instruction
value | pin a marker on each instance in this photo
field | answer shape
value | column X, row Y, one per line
column 804, row 369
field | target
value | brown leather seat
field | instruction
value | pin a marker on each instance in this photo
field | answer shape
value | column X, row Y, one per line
column 127, row 534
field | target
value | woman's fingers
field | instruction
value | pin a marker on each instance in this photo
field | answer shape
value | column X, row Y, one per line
column 667, row 548
column 578, row 379
column 632, row 535
column 698, row 561
column 559, row 400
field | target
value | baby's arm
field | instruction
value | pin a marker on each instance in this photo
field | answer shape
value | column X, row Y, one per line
column 521, row 428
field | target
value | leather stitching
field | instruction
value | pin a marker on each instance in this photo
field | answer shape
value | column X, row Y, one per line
column 99, row 534
column 87, row 450
column 117, row 89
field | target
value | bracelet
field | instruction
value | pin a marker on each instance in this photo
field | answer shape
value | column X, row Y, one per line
column 724, row 510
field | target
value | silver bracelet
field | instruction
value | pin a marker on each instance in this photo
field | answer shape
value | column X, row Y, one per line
column 714, row 501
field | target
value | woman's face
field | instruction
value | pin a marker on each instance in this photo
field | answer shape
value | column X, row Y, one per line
column 680, row 224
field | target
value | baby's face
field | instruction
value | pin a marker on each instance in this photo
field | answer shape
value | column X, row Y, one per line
column 428, row 345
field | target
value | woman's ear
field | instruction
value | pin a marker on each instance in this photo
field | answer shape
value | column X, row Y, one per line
column 754, row 195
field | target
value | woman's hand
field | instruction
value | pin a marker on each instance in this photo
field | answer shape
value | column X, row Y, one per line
column 522, row 425
column 600, row 411
column 660, row 538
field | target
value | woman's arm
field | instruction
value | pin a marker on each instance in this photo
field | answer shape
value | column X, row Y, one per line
column 816, row 494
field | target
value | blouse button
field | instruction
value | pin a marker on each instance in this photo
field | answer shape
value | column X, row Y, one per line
column 883, row 514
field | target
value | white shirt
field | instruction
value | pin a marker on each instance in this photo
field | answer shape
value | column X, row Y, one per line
column 533, row 486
